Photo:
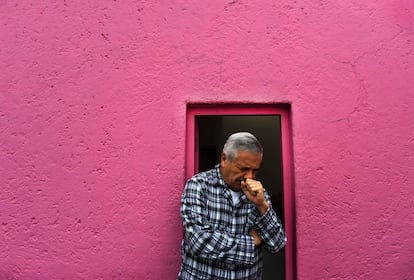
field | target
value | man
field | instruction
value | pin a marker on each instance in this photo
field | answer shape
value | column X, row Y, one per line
column 228, row 218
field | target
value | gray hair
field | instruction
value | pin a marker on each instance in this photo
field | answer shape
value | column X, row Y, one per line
column 241, row 141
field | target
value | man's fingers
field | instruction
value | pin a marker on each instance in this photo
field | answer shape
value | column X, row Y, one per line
column 250, row 188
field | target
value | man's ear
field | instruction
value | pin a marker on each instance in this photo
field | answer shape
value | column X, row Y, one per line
column 223, row 158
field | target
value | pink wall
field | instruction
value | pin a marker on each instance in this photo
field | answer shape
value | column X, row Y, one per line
column 92, row 128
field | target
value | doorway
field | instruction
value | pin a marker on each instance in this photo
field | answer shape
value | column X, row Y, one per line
column 213, row 132
column 209, row 125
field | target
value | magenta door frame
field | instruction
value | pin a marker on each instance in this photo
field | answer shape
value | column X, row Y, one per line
column 282, row 110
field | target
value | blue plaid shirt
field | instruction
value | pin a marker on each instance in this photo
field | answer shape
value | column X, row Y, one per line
column 217, row 244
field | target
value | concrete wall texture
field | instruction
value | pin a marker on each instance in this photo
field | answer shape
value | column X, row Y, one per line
column 93, row 100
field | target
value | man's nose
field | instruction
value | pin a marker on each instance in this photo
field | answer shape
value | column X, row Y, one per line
column 249, row 174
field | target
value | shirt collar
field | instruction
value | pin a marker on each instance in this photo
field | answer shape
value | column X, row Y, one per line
column 226, row 189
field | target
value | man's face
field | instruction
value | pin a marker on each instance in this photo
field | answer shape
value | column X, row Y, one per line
column 244, row 166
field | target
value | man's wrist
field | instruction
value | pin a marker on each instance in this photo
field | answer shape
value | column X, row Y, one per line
column 263, row 208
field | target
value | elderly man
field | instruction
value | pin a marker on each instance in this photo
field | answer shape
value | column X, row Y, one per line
column 228, row 218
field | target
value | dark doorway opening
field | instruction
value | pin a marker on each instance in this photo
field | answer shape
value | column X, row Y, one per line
column 213, row 130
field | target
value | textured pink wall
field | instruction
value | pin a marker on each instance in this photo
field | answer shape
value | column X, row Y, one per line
column 92, row 128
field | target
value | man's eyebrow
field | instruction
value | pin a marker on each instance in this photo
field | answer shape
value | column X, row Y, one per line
column 245, row 167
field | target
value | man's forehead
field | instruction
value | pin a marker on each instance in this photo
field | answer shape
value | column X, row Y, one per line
column 247, row 157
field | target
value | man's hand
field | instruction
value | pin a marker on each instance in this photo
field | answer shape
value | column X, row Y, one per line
column 254, row 192
column 256, row 237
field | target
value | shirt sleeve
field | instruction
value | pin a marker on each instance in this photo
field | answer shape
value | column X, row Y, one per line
column 207, row 243
column 271, row 230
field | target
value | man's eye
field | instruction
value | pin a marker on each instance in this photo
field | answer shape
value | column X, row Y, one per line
column 244, row 169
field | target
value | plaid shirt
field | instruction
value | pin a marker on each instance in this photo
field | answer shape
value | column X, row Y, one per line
column 217, row 244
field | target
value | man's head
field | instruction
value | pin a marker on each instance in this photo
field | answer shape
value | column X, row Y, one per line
column 241, row 158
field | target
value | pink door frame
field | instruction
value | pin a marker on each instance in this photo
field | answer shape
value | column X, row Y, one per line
column 283, row 110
